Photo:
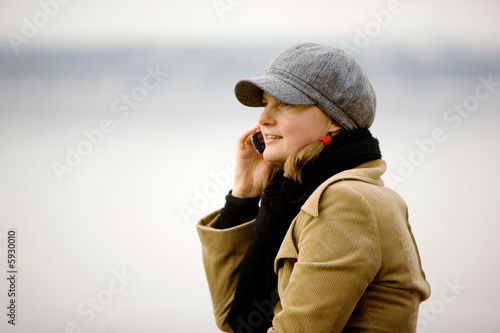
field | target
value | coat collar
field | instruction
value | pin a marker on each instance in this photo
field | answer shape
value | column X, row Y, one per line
column 368, row 172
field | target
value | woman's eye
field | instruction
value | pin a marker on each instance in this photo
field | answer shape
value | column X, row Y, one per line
column 284, row 105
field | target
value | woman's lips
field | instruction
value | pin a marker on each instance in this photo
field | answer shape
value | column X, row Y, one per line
column 271, row 138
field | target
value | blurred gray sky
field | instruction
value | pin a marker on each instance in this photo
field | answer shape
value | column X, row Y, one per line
column 118, row 22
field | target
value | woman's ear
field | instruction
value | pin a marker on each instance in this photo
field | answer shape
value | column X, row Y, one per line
column 334, row 127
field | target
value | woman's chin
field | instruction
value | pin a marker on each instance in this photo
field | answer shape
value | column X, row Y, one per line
column 272, row 157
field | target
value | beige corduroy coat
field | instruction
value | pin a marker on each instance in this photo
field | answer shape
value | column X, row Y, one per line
column 348, row 263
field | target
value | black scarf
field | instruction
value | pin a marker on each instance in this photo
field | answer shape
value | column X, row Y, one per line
column 256, row 290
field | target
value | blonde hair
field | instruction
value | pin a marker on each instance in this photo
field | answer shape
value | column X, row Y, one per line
column 294, row 164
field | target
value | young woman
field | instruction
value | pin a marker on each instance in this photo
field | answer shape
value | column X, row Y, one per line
column 309, row 239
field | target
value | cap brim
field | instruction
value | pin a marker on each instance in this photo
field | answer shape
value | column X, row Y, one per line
column 249, row 91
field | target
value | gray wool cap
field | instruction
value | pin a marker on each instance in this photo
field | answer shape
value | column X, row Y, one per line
column 314, row 74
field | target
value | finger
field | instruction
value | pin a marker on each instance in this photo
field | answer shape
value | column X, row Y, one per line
column 249, row 131
column 244, row 138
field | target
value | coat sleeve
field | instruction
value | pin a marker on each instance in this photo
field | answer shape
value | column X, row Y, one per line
column 222, row 252
column 338, row 255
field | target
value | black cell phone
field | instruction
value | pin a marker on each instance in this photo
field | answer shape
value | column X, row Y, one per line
column 257, row 140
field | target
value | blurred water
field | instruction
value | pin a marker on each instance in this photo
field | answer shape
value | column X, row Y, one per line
column 132, row 202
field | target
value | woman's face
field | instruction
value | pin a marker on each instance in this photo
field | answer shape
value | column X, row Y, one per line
column 286, row 127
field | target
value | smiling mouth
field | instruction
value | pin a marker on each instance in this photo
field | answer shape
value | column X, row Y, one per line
column 273, row 137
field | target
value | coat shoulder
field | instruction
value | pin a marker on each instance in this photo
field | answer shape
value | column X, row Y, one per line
column 366, row 173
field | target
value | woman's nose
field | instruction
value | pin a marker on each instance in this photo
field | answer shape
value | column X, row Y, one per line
column 266, row 118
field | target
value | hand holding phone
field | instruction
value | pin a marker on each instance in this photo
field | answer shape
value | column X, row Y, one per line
column 250, row 168
column 257, row 140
